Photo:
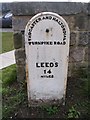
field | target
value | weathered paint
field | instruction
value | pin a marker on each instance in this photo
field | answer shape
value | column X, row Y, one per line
column 47, row 49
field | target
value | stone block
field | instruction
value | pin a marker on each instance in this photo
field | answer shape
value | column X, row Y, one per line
column 70, row 19
column 88, row 8
column 71, row 22
column 81, row 65
column 83, row 38
column 81, row 22
column 32, row 8
column 72, row 38
column 20, row 22
column 71, row 59
column 69, row 70
column 77, row 54
column 20, row 54
column 89, row 39
column 20, row 61
column 21, row 74
column 17, row 40
column 86, row 54
column 89, row 55
column 88, row 23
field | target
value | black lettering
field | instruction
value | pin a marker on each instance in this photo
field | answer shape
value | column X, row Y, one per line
column 43, row 18
column 61, row 43
column 52, row 76
column 46, row 43
column 51, row 64
column 56, row 64
column 64, row 32
column 37, row 65
column 29, row 33
column 64, row 38
column 44, row 71
column 46, row 17
column 29, row 39
column 61, row 23
column 29, row 36
column 58, row 43
column 62, row 26
column 39, row 19
column 54, row 42
column 36, row 20
column 64, row 29
column 64, row 42
column 39, row 43
column 50, row 17
column 35, row 43
column 47, row 76
column 51, row 43
column 49, row 71
column 47, row 64
column 42, row 64
column 42, row 76
column 33, row 24
column 54, row 18
column 29, row 43
column 31, row 28
column 32, row 43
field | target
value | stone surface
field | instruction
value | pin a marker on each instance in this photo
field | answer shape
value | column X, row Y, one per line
column 17, row 40
column 70, row 69
column 81, row 65
column 47, row 63
column 20, row 22
column 20, row 56
column 86, row 54
column 83, row 38
column 21, row 74
column 77, row 54
column 32, row 8
column 88, row 23
column 89, row 39
column 72, row 38
column 81, row 22
column 20, row 61
column 70, row 19
column 88, row 8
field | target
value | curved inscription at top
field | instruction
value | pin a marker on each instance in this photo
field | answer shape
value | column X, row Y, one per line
column 54, row 23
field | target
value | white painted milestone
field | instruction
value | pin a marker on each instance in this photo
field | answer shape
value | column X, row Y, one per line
column 47, row 49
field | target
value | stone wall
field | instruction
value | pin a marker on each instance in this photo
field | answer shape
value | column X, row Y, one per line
column 76, row 15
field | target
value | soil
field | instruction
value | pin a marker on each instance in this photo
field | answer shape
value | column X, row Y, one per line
column 74, row 97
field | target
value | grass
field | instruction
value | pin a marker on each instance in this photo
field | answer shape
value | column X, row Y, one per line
column 15, row 99
column 7, row 42
column 73, row 113
column 12, row 95
column 9, row 75
column 51, row 110
column 82, row 107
